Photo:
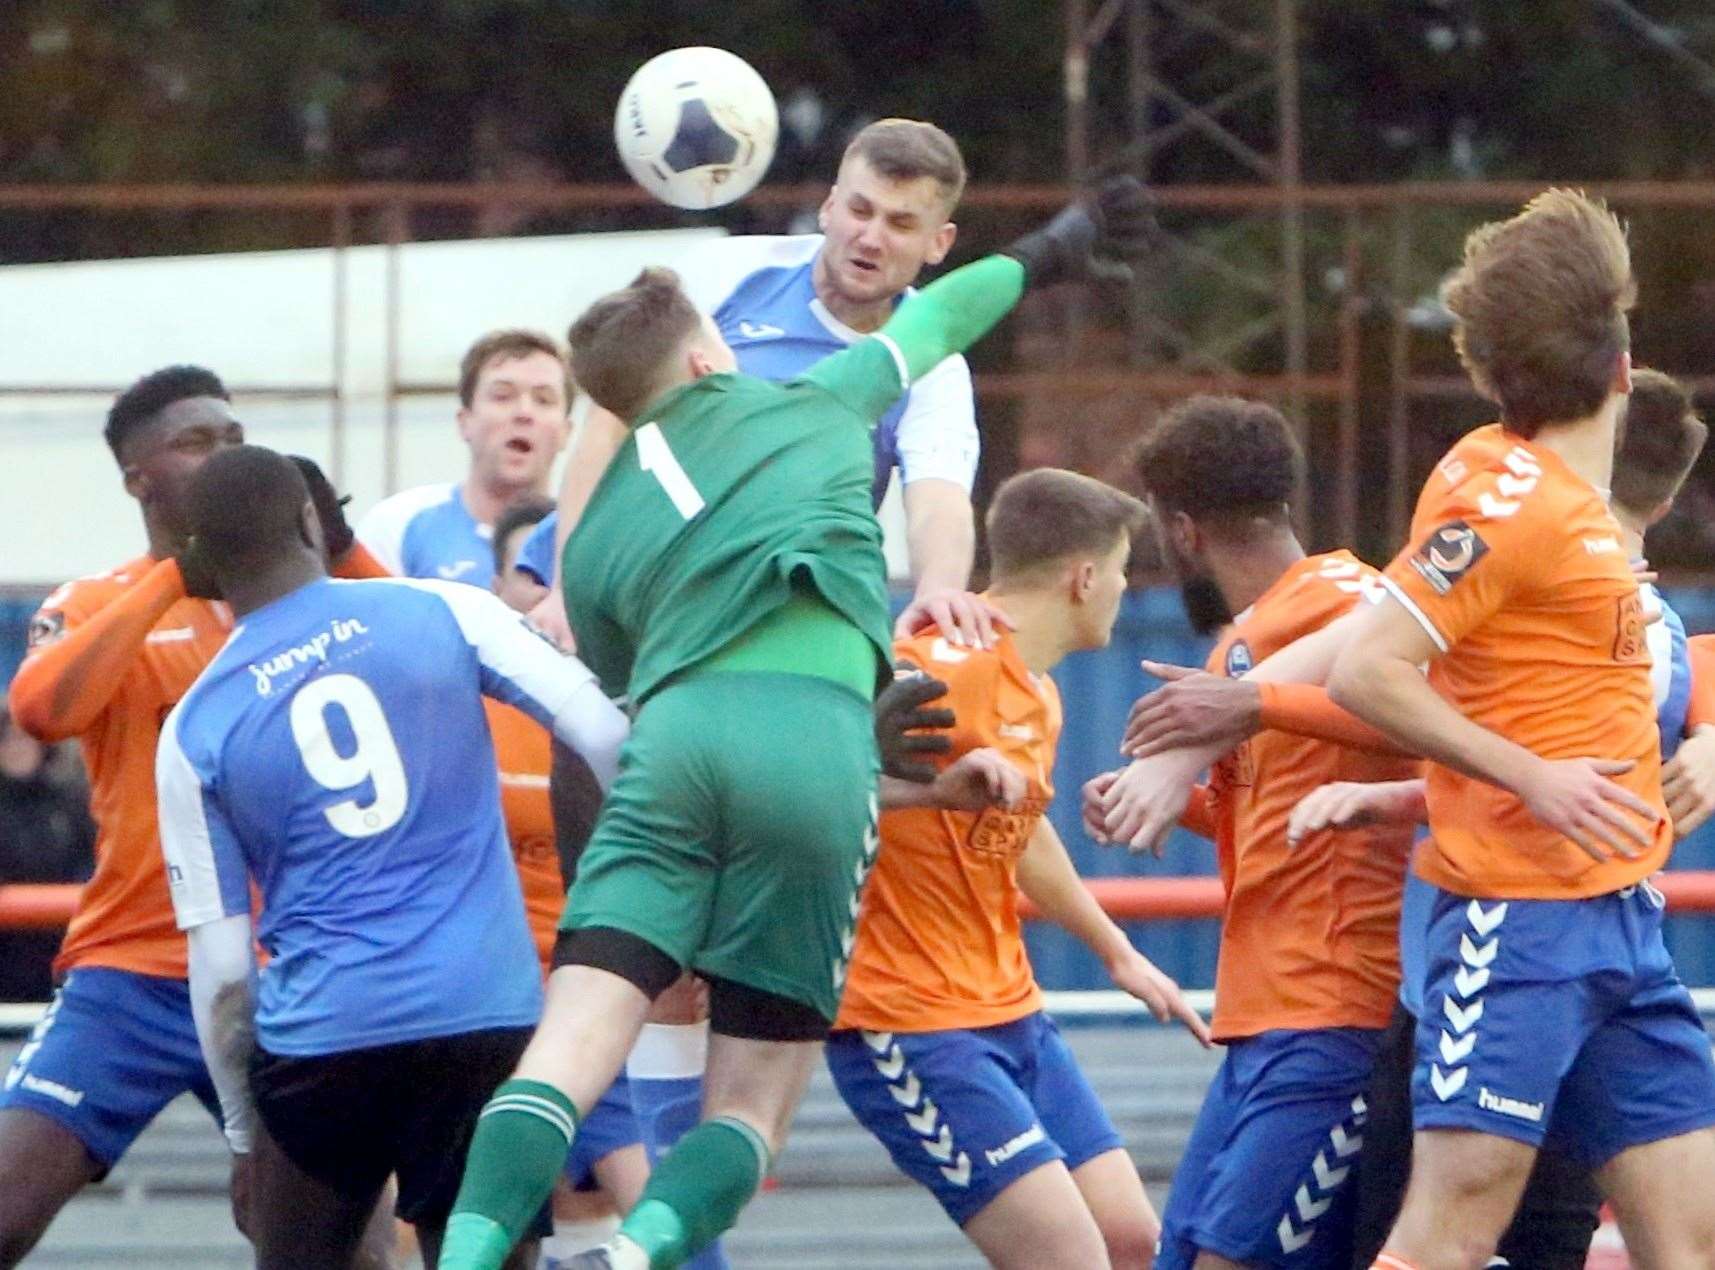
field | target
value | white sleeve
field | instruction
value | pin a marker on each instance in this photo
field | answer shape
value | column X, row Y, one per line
column 382, row 528
column 222, row 973
column 522, row 669
column 206, row 874
column 938, row 431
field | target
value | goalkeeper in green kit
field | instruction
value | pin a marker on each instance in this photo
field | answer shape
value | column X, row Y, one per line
column 727, row 576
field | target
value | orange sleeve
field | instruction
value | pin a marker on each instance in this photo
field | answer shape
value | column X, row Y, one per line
column 1478, row 545
column 64, row 684
column 1198, row 817
column 1701, row 650
column 359, row 563
column 1307, row 710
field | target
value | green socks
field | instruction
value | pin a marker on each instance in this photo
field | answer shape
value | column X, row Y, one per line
column 519, row 1149
column 696, row 1192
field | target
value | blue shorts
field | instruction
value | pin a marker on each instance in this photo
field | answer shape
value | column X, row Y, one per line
column 112, row 1050
column 1559, row 1022
column 969, row 1112
column 1265, row 1178
column 610, row 1126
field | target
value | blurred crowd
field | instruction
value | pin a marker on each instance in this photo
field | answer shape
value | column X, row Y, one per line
column 46, row 835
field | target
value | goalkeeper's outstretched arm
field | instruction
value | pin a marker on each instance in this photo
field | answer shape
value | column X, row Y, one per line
column 954, row 312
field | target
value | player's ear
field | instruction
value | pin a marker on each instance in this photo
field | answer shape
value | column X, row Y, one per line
column 1083, row 580
column 1622, row 375
column 827, row 208
column 1659, row 514
column 1186, row 536
column 941, row 244
column 463, row 417
column 137, row 483
column 310, row 527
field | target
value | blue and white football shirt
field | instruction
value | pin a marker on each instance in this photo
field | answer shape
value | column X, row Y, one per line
column 336, row 754
column 428, row 532
column 761, row 295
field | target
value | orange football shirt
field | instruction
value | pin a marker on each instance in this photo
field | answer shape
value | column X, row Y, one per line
column 1310, row 934
column 1517, row 572
column 939, row 942
column 110, row 656
column 521, row 749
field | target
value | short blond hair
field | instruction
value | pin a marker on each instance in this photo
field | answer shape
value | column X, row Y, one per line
column 906, row 149
column 1539, row 308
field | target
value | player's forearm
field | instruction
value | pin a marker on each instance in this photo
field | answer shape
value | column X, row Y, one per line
column 1309, row 660
column 894, row 794
column 1307, row 710
column 1700, row 650
column 594, row 727
column 941, row 535
column 1392, row 694
column 1046, row 876
column 222, row 968
column 597, row 441
column 62, row 687
column 954, row 312
column 1199, row 816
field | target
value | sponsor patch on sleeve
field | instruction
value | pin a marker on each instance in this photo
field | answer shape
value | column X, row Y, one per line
column 1239, row 659
column 1448, row 554
column 46, row 626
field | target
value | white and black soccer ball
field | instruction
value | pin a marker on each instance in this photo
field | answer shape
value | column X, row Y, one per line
column 696, row 127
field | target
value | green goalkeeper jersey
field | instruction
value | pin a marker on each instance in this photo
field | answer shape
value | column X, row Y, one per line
column 731, row 491
column 726, row 490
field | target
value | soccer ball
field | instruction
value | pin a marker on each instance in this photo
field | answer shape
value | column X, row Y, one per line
column 696, row 127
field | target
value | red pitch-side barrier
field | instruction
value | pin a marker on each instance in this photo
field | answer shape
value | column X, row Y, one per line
column 46, row 907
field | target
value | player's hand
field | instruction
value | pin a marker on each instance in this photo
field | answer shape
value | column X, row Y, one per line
column 1125, row 220
column 1575, row 798
column 1139, row 977
column 900, row 720
column 243, row 1171
column 1094, row 806
column 548, row 619
column 1191, row 708
column 1688, row 782
column 979, row 780
column 965, row 620
column 1354, row 805
column 1142, row 806
column 1117, row 221
column 198, row 575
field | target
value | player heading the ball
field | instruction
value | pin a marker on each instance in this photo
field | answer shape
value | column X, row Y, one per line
column 731, row 583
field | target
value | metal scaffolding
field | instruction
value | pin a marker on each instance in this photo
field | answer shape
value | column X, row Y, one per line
column 1210, row 96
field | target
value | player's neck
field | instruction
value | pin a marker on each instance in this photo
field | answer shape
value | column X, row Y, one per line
column 261, row 587
column 163, row 542
column 485, row 502
column 1631, row 534
column 1246, row 568
column 863, row 316
column 1586, row 445
column 1043, row 634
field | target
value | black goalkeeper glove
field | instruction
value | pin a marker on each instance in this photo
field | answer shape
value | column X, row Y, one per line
column 1099, row 237
column 337, row 537
column 900, row 717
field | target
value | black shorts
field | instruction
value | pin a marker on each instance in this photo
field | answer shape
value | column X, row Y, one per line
column 351, row 1119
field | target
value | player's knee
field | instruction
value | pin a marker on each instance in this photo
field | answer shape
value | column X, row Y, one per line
column 1130, row 1241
